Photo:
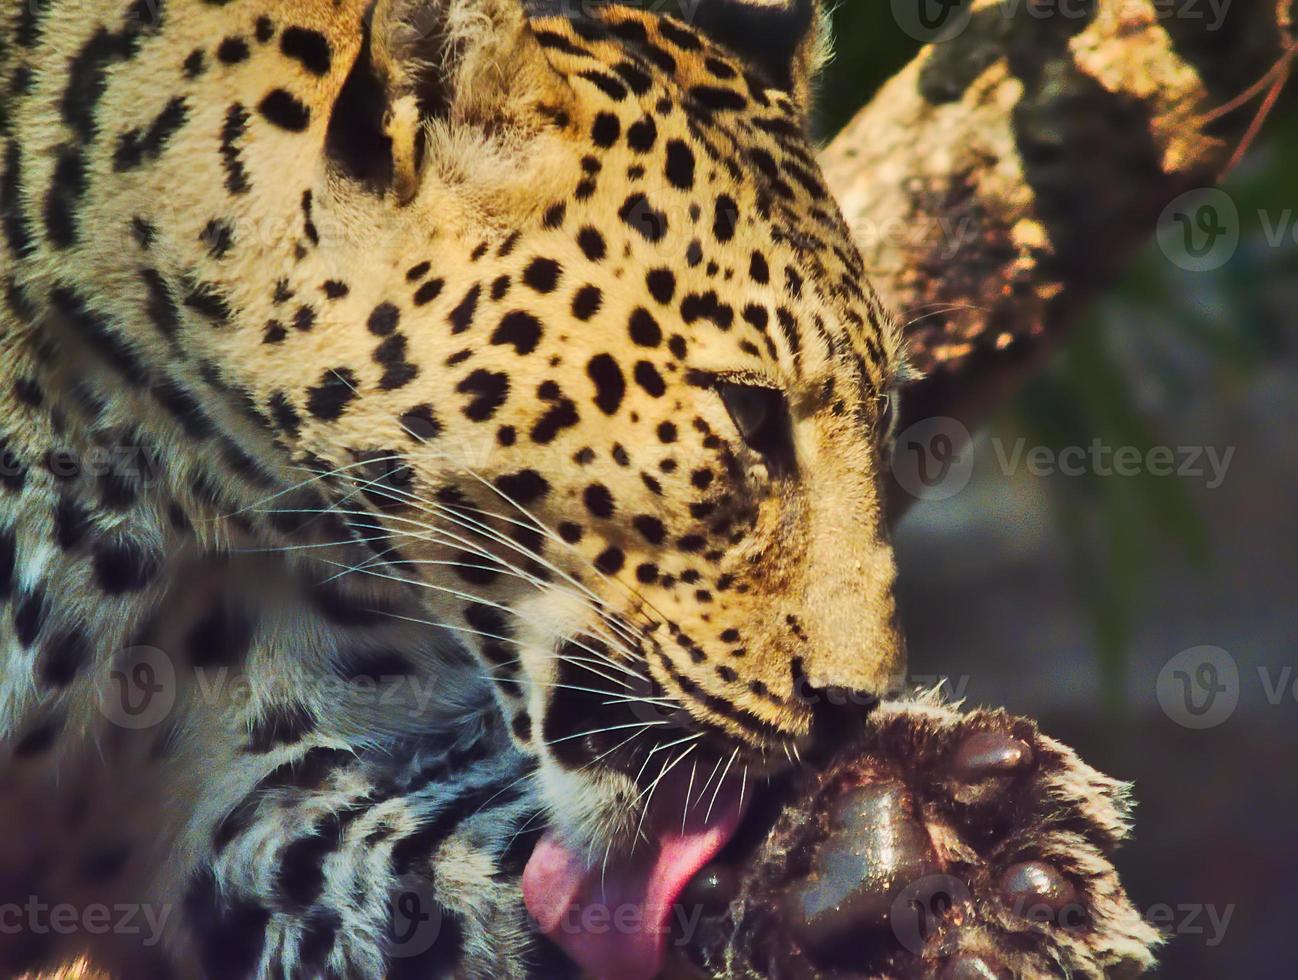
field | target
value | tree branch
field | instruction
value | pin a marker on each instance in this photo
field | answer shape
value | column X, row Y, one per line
column 1008, row 173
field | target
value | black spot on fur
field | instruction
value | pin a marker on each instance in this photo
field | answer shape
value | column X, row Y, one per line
column 542, row 275
column 662, row 285
column 636, row 78
column 429, row 291
column 610, row 560
column 124, row 565
column 307, row 47
column 29, row 616
column 67, row 187
column 329, row 399
column 281, row 725
column 8, row 555
column 639, row 214
column 446, row 952
column 38, row 739
column 648, row 378
column 87, row 77
column 718, row 99
column 607, row 84
column 384, row 319
column 231, row 931
column 208, row 300
column 72, row 521
column 644, row 329
column 489, row 389
column 284, row 414
column 64, row 658
column 195, row 64
column 562, row 414
column 519, row 329
column 186, row 409
column 222, row 637
column 554, row 216
column 285, row 111
column 681, row 36
column 642, row 135
column 422, row 423
column 16, row 228
column 475, row 569
column 592, row 243
column 398, row 372
column 726, row 221
column 610, row 385
column 598, row 500
column 680, row 165
column 100, row 333
column 462, row 316
column 606, row 130
column 232, row 130
column 301, row 868
column 319, row 933
column 160, row 307
column 136, row 148
column 526, row 487
column 587, row 302
column 232, row 50
column 218, row 236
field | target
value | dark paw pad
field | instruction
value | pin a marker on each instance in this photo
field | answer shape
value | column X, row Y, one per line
column 963, row 847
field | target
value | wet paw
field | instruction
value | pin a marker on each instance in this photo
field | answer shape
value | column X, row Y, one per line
column 943, row 844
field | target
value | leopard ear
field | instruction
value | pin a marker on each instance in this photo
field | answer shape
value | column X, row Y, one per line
column 787, row 40
column 466, row 62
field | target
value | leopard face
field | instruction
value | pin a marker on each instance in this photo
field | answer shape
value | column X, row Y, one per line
column 565, row 301
column 651, row 378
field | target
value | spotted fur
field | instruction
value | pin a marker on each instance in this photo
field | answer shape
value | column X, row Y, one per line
column 488, row 398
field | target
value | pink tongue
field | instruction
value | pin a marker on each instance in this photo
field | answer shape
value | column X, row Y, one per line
column 614, row 924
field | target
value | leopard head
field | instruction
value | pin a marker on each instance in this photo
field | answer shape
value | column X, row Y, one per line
column 604, row 312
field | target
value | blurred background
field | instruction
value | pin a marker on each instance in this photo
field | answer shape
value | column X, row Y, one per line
column 1067, row 598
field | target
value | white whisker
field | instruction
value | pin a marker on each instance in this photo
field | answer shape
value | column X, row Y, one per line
column 717, row 792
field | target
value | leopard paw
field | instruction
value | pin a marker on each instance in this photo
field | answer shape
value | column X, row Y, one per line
column 962, row 846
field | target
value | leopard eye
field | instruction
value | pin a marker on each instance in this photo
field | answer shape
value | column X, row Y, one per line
column 762, row 417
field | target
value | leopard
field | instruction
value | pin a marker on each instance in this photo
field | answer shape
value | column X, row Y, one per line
column 443, row 448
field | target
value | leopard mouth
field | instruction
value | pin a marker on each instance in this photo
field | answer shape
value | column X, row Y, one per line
column 683, row 788
column 614, row 918
column 629, row 913
column 616, row 906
